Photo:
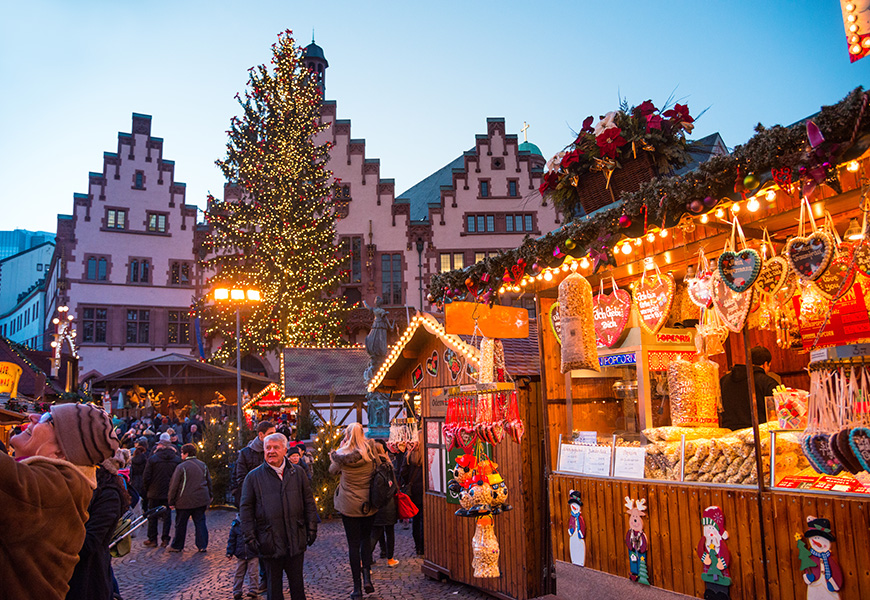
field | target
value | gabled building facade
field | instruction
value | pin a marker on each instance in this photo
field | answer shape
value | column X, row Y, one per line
column 23, row 283
column 127, row 259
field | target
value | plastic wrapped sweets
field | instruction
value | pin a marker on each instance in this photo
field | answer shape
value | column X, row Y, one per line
column 579, row 345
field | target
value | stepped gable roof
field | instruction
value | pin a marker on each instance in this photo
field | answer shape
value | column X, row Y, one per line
column 428, row 191
column 319, row 371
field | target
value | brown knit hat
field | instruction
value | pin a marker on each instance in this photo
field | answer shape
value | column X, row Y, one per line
column 84, row 433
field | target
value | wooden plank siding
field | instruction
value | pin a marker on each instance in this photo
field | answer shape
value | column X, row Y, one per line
column 673, row 526
column 520, row 532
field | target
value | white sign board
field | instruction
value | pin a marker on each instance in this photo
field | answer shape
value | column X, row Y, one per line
column 572, row 458
column 629, row 462
column 597, row 461
column 585, row 437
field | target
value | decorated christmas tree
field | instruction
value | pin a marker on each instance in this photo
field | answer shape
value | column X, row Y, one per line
column 323, row 482
column 218, row 451
column 275, row 230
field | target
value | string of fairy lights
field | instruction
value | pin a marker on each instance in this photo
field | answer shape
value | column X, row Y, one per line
column 278, row 233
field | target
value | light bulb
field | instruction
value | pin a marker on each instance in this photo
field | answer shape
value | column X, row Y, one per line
column 855, row 49
column 650, row 237
column 866, row 42
column 663, row 233
column 704, row 218
column 548, row 275
column 735, row 208
column 752, row 205
column 852, row 167
column 850, row 7
column 853, row 28
column 626, row 248
column 771, row 196
column 584, row 262
column 720, row 213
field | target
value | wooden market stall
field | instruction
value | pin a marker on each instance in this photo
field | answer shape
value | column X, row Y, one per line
column 428, row 362
column 643, row 486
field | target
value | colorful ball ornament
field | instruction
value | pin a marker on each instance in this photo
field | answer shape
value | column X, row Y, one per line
column 710, row 202
column 569, row 244
column 750, row 182
column 696, row 206
column 536, row 268
column 624, row 221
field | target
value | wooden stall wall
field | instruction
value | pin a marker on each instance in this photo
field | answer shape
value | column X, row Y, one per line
column 520, row 531
column 673, row 526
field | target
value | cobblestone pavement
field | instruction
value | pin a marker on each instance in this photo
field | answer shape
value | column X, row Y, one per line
column 155, row 574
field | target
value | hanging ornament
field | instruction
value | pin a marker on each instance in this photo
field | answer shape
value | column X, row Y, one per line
column 653, row 297
column 624, row 221
column 750, row 182
column 739, row 269
column 700, row 287
column 732, row 307
column 611, row 313
column 579, row 348
column 696, row 206
column 809, row 256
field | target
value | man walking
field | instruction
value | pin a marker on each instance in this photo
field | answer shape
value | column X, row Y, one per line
column 279, row 517
column 250, row 457
column 190, row 495
column 158, row 474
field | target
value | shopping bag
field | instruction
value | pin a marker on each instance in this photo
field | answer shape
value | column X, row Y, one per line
column 407, row 508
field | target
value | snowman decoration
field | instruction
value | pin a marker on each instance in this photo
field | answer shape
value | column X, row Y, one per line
column 821, row 571
column 576, row 529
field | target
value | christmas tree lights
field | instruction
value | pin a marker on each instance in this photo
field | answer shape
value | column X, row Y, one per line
column 276, row 229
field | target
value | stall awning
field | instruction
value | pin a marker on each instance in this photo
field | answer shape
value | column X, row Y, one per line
column 176, row 369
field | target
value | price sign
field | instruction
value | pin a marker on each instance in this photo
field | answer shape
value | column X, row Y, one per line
column 572, row 458
column 629, row 462
column 597, row 461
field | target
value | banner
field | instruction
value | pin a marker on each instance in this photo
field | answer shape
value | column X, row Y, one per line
column 10, row 373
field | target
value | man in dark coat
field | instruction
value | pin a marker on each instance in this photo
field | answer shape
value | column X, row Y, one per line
column 250, row 457
column 279, row 518
column 158, row 474
column 190, row 495
column 736, row 411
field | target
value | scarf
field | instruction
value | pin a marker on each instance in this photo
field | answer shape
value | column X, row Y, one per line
column 824, row 556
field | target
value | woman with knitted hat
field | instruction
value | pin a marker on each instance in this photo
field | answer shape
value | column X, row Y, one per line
column 44, row 496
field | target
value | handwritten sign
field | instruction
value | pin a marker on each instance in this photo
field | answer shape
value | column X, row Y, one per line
column 654, row 296
column 572, row 458
column 597, row 461
column 628, row 462
column 10, row 373
column 585, row 437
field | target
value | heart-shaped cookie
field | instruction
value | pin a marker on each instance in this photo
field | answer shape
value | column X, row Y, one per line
column 653, row 297
column 809, row 256
column 739, row 270
column 841, row 449
column 700, row 289
column 465, row 437
column 859, row 441
column 482, row 431
column 449, row 433
column 839, row 276
column 817, row 449
column 611, row 313
column 861, row 256
column 496, row 431
column 517, row 430
column 732, row 307
column 773, row 275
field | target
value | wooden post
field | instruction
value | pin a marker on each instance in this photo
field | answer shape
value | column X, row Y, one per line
column 759, row 459
column 569, row 407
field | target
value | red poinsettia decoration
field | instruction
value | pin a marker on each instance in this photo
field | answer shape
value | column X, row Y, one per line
column 551, row 180
column 570, row 158
column 653, row 121
column 647, row 108
column 680, row 114
column 609, row 140
column 587, row 125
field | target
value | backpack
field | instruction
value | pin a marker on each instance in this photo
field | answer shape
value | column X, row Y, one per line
column 382, row 486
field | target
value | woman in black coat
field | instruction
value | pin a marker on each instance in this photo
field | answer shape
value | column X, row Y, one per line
column 92, row 579
column 384, row 525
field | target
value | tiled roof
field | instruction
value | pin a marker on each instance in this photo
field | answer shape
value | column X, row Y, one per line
column 319, row 371
column 428, row 191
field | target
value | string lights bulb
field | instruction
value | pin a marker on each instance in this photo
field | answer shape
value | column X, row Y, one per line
column 852, row 167
column 753, row 204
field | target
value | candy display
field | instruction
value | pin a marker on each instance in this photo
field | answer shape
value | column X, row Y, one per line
column 791, row 407
column 694, row 392
column 579, row 341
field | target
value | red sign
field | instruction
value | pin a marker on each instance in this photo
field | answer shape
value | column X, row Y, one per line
column 797, row 482
column 823, row 482
column 673, row 338
column 848, row 323
column 659, row 360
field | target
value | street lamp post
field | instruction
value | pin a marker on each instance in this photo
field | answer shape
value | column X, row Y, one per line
column 238, row 296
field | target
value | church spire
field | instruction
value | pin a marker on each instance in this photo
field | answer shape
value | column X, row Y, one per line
column 314, row 59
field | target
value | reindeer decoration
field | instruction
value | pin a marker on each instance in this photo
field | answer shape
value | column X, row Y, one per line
column 636, row 540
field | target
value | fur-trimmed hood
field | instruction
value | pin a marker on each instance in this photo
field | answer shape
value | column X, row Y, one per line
column 350, row 459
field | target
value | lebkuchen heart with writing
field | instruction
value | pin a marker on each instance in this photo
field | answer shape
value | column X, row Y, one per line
column 611, row 313
column 731, row 306
column 739, row 270
column 700, row 289
column 810, row 256
column 654, row 296
column 861, row 256
column 773, row 275
column 839, row 276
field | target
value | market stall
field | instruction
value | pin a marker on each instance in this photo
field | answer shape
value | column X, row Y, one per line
column 764, row 247
column 497, row 544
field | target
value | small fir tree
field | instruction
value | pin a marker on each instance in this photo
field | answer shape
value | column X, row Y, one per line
column 324, row 483
column 276, row 231
column 218, row 451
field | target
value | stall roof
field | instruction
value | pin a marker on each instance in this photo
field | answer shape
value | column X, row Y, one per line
column 172, row 369
column 319, row 371
column 521, row 355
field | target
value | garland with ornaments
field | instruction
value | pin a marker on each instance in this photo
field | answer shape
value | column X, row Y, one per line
column 797, row 158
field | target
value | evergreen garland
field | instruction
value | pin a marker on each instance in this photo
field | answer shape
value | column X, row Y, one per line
column 845, row 126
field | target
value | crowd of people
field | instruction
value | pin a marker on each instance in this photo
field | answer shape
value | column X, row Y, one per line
column 76, row 471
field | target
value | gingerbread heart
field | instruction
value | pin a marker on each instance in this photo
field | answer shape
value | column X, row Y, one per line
column 611, row 313
column 465, row 437
column 859, row 441
column 841, row 449
column 817, row 449
column 483, row 433
column 773, row 275
column 739, row 270
column 654, row 296
column 838, row 277
column 700, row 289
column 449, row 433
column 861, row 256
column 496, row 431
column 810, row 256
column 517, row 430
column 732, row 307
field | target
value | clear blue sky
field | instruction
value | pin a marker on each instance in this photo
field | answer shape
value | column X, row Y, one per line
column 418, row 80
